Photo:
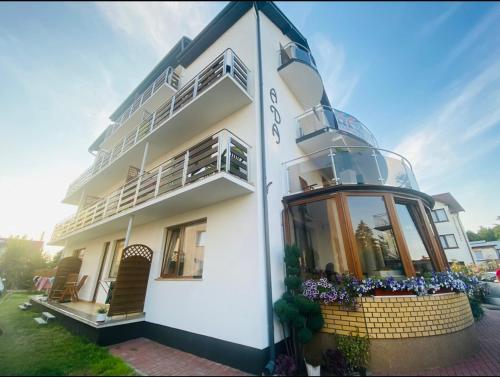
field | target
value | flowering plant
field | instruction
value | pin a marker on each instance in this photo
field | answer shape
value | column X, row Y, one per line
column 345, row 288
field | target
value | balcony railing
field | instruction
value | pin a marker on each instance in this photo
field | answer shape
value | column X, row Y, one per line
column 204, row 159
column 348, row 165
column 225, row 64
column 324, row 117
column 295, row 51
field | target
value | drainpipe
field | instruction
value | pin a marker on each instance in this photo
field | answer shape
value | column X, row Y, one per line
column 129, row 230
column 269, row 368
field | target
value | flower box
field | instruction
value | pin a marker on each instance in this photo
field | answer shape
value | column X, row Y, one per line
column 444, row 290
column 388, row 292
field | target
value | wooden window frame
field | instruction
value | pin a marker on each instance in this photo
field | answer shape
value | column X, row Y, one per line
column 436, row 252
column 169, row 230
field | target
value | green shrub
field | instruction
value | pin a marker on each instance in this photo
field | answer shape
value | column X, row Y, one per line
column 355, row 349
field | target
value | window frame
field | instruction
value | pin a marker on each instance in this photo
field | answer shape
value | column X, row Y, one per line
column 434, row 214
column 446, row 241
column 113, row 259
column 169, row 231
column 436, row 251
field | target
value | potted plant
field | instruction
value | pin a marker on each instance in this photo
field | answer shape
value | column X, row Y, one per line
column 102, row 314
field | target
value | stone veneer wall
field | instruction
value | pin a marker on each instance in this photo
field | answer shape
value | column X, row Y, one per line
column 398, row 317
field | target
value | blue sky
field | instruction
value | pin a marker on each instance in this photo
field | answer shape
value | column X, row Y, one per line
column 424, row 77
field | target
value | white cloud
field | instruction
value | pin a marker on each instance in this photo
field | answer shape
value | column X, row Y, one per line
column 434, row 24
column 473, row 36
column 444, row 138
column 158, row 24
column 451, row 140
column 339, row 81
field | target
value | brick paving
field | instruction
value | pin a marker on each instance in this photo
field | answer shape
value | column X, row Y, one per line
column 154, row 359
column 486, row 362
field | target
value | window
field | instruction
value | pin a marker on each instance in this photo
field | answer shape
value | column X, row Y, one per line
column 439, row 215
column 184, row 250
column 316, row 227
column 413, row 231
column 376, row 244
column 79, row 253
column 117, row 256
column 448, row 241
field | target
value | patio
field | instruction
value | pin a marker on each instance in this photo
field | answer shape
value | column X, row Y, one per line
column 85, row 312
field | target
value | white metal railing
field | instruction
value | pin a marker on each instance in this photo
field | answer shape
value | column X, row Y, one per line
column 204, row 159
column 295, row 51
column 322, row 117
column 348, row 165
column 226, row 63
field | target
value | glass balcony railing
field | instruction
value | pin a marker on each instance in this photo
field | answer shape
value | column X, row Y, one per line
column 348, row 166
column 322, row 118
column 295, row 51
column 222, row 152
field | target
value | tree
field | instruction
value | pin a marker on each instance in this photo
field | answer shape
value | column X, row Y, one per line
column 485, row 234
column 17, row 264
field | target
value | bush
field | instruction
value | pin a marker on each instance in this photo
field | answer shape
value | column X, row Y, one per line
column 285, row 366
column 355, row 350
column 477, row 310
column 335, row 364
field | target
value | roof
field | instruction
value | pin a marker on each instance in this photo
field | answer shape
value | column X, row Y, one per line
column 495, row 244
column 186, row 50
column 450, row 201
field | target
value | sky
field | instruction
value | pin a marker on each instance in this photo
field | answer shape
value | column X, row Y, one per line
column 424, row 77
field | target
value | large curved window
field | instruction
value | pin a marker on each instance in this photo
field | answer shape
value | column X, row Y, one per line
column 372, row 234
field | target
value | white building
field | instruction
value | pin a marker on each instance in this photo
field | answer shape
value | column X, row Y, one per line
column 225, row 152
column 486, row 251
column 452, row 235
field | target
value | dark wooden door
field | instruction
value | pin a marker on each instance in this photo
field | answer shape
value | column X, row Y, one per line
column 129, row 291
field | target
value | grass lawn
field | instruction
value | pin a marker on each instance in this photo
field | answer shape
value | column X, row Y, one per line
column 29, row 349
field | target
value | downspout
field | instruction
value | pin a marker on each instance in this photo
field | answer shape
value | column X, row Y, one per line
column 269, row 367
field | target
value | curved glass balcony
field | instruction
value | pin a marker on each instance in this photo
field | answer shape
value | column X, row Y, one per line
column 351, row 165
column 298, row 69
column 320, row 119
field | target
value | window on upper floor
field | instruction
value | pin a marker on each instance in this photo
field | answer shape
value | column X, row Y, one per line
column 448, row 241
column 439, row 215
column 184, row 250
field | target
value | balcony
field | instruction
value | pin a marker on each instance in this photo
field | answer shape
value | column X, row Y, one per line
column 164, row 87
column 200, row 176
column 350, row 165
column 216, row 92
column 298, row 70
column 322, row 126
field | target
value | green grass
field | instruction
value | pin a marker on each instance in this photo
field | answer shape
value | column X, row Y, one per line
column 29, row 349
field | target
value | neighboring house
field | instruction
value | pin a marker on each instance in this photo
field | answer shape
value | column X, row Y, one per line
column 486, row 251
column 452, row 235
column 226, row 151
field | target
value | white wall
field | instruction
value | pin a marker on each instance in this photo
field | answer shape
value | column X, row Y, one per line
column 454, row 226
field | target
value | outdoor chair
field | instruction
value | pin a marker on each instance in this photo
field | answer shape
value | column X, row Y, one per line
column 72, row 286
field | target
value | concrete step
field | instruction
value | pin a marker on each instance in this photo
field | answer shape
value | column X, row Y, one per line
column 40, row 321
column 27, row 304
column 48, row 316
column 22, row 307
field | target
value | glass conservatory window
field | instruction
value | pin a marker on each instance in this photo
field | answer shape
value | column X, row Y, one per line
column 376, row 244
column 316, row 227
column 412, row 231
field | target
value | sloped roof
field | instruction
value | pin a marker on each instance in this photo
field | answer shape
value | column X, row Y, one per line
column 450, row 201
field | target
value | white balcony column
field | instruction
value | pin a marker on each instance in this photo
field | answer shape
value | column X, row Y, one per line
column 82, row 201
column 334, row 170
column 380, row 178
column 144, row 158
column 129, row 230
